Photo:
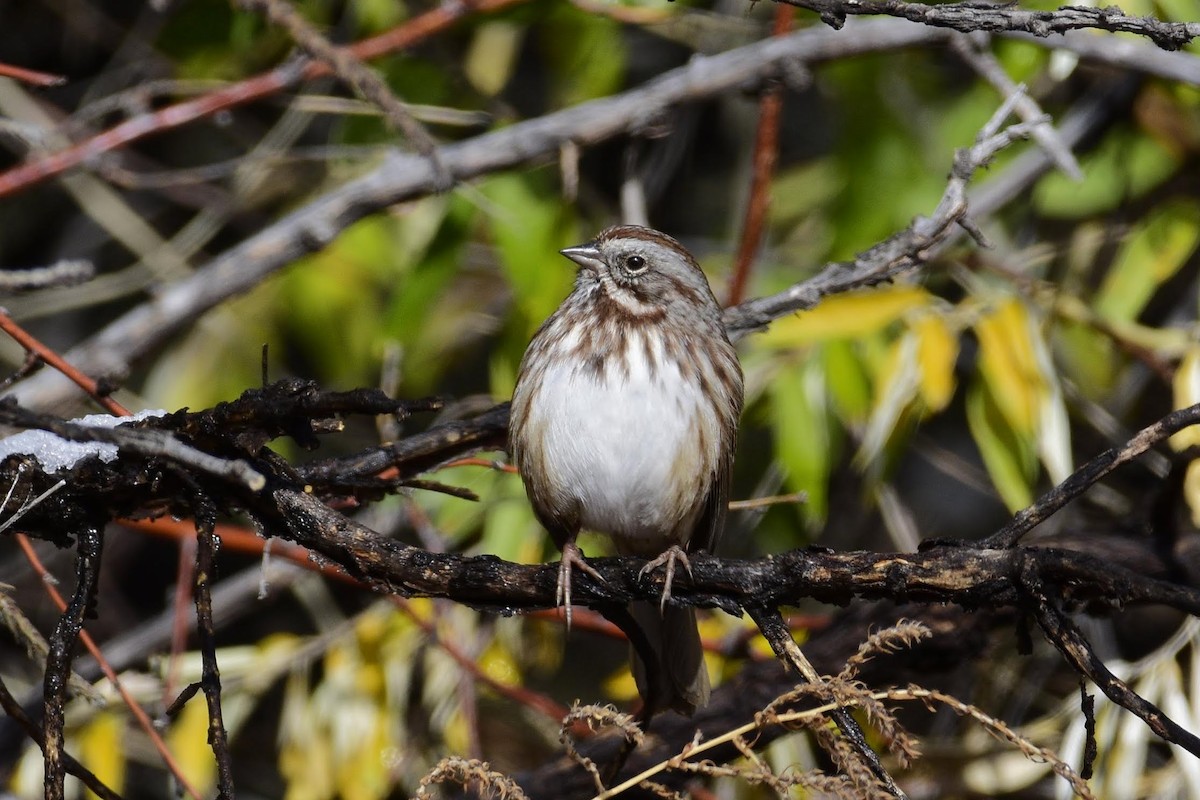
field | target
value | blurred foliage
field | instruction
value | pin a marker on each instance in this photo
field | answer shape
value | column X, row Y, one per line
column 980, row 379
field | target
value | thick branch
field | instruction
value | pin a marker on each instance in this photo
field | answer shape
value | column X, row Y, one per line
column 970, row 578
column 985, row 16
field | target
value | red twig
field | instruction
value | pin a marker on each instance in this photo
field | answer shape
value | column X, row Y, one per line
column 30, row 76
column 35, row 347
column 246, row 91
column 185, row 574
column 241, row 540
column 519, row 694
column 480, row 462
column 32, row 345
column 138, row 712
column 766, row 151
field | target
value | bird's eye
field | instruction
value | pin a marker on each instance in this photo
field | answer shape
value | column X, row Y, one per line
column 635, row 263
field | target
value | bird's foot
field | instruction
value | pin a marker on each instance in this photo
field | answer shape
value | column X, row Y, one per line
column 572, row 556
column 669, row 557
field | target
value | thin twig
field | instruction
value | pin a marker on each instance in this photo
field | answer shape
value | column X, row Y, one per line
column 210, row 680
column 31, row 76
column 13, row 709
column 49, row 356
column 412, row 31
column 59, row 655
column 1067, row 639
column 988, row 66
column 899, row 253
column 404, row 176
column 766, row 152
column 365, row 81
column 67, row 272
column 1086, row 476
column 144, row 328
column 777, row 633
column 138, row 712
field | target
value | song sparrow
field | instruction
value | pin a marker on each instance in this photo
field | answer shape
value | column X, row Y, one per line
column 623, row 422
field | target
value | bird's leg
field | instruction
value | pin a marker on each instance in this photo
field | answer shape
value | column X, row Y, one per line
column 673, row 553
column 572, row 556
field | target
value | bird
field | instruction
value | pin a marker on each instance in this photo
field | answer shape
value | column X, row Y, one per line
column 624, row 422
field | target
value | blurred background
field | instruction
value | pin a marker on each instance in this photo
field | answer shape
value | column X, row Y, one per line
column 933, row 406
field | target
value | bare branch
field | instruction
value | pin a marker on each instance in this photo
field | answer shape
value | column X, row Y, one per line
column 988, row 66
column 365, row 81
column 1066, row 637
column 142, row 330
column 405, row 176
column 984, row 16
column 67, row 272
column 901, row 252
column 160, row 444
column 1087, row 475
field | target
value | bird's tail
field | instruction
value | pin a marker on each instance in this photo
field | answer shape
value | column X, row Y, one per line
column 668, row 660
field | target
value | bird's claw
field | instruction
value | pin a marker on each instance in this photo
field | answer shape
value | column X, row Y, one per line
column 669, row 557
column 572, row 556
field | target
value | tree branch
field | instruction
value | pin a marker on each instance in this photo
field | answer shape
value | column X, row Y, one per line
column 405, row 176
column 984, row 16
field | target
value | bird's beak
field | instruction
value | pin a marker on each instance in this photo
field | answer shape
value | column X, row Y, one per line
column 585, row 255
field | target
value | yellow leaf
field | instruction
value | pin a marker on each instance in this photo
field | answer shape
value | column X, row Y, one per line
column 497, row 663
column 101, row 749
column 1186, row 386
column 188, row 740
column 27, row 778
column 846, row 316
column 493, row 55
column 1191, row 489
column 363, row 772
column 421, row 608
column 305, row 751
column 937, row 350
column 1008, row 362
column 620, row 685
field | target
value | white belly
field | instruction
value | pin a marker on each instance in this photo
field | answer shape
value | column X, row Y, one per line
column 627, row 447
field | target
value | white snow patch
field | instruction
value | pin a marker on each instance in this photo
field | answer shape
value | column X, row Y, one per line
column 55, row 453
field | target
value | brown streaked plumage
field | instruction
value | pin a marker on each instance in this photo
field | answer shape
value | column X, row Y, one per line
column 623, row 422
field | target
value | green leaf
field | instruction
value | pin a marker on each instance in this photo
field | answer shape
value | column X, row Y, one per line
column 425, row 313
column 331, row 301
column 1125, row 166
column 493, row 55
column 585, row 54
column 510, row 530
column 529, row 226
column 1009, row 458
column 897, row 386
column 849, row 385
column 1087, row 356
column 377, row 15
column 802, row 436
column 1150, row 256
